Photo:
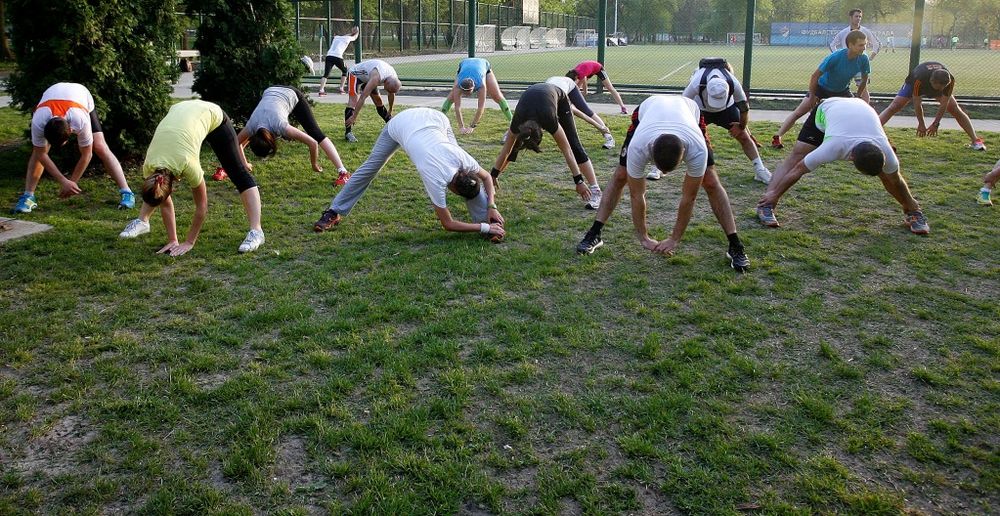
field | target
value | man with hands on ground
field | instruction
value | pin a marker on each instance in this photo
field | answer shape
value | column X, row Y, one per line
column 68, row 108
column 174, row 155
column 364, row 80
column 546, row 107
column 848, row 129
column 426, row 136
column 474, row 76
column 665, row 129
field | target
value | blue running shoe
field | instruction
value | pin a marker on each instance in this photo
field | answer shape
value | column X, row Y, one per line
column 127, row 202
column 25, row 203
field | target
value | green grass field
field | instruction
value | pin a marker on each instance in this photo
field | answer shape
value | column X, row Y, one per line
column 977, row 72
column 389, row 367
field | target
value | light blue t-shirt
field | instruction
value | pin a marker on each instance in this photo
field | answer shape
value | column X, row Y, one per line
column 473, row 68
column 838, row 70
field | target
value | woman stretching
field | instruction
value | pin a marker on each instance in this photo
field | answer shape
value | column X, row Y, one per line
column 474, row 76
column 173, row 155
column 269, row 121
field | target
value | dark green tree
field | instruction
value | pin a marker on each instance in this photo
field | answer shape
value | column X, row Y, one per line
column 245, row 47
column 119, row 49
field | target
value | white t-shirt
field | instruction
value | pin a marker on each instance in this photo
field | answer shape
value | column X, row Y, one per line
column 364, row 69
column 339, row 45
column 693, row 89
column 78, row 119
column 846, row 122
column 671, row 114
column 425, row 134
column 562, row 82
column 840, row 40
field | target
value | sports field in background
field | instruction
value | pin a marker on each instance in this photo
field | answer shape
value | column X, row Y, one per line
column 977, row 71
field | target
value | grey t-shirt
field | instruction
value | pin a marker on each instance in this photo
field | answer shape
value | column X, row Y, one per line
column 272, row 111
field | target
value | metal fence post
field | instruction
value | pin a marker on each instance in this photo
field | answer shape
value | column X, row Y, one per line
column 918, row 32
column 748, row 44
column 471, row 25
column 400, row 25
column 357, row 22
column 298, row 20
column 420, row 25
column 437, row 21
column 602, row 34
column 379, row 40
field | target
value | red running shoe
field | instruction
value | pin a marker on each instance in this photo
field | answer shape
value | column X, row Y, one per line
column 342, row 179
column 220, row 174
column 776, row 143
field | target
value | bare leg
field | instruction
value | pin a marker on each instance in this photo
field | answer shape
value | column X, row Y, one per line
column 898, row 103
column 35, row 171
column 990, row 179
column 612, row 194
column 897, row 187
column 799, row 112
column 331, row 152
column 749, row 148
column 587, row 169
column 614, row 93
column 111, row 164
column 719, row 200
column 963, row 119
column 251, row 204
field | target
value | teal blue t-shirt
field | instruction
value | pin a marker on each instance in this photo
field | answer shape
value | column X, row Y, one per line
column 838, row 70
column 473, row 68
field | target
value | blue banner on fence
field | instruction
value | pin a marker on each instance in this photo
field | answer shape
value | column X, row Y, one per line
column 819, row 34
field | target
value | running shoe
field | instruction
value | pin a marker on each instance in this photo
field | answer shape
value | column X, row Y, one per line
column 765, row 214
column 776, row 142
column 342, row 178
column 609, row 141
column 978, row 145
column 220, row 174
column 590, row 243
column 918, row 223
column 135, row 228
column 595, row 199
column 654, row 175
column 984, row 198
column 326, row 221
column 25, row 203
column 321, row 94
column 351, row 138
column 127, row 201
column 763, row 175
column 253, row 240
column 738, row 259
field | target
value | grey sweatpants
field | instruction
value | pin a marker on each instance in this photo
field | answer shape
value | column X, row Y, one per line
column 385, row 147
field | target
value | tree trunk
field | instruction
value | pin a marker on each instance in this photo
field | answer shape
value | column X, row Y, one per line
column 5, row 53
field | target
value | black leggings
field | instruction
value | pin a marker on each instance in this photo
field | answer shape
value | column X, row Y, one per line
column 304, row 114
column 332, row 61
column 224, row 144
column 569, row 127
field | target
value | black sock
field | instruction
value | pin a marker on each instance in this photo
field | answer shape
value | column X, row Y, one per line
column 596, row 228
column 348, row 111
column 734, row 240
column 383, row 112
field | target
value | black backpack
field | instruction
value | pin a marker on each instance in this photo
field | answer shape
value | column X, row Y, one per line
column 714, row 63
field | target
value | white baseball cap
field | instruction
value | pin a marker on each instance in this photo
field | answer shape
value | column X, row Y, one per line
column 718, row 93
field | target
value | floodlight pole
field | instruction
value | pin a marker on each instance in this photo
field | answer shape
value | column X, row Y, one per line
column 615, row 31
column 918, row 29
column 602, row 34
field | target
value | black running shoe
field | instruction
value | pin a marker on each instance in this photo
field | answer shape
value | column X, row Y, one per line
column 590, row 243
column 738, row 259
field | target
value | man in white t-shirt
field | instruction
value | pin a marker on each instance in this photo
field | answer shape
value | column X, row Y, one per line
column 839, row 41
column 843, row 129
column 68, row 108
column 365, row 78
column 723, row 102
column 665, row 129
column 426, row 136
column 335, row 58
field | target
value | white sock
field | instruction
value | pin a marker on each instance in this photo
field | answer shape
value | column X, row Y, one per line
column 758, row 163
column 595, row 188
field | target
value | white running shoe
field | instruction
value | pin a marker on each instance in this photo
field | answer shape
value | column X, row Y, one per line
column 654, row 175
column 609, row 141
column 135, row 228
column 253, row 240
column 763, row 175
column 595, row 198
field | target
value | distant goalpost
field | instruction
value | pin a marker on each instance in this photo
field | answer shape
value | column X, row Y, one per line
column 486, row 38
column 739, row 38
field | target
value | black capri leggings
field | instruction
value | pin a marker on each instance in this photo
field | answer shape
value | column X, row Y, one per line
column 332, row 61
column 569, row 127
column 223, row 142
column 304, row 114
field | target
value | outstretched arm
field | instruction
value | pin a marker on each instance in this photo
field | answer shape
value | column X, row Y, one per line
column 501, row 163
column 479, row 108
column 450, row 224
column 86, row 153
column 41, row 155
column 370, row 86
column 200, row 196
column 300, row 136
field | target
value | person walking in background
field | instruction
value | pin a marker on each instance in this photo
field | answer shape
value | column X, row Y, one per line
column 891, row 42
column 68, row 108
column 335, row 58
column 587, row 69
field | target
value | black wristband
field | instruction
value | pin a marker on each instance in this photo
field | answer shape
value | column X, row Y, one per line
column 578, row 179
column 494, row 173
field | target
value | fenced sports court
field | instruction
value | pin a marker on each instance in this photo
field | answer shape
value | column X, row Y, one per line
column 647, row 50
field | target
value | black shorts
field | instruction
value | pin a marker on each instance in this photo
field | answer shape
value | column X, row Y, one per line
column 601, row 75
column 623, row 154
column 823, row 93
column 724, row 118
column 810, row 133
column 95, row 124
column 332, row 61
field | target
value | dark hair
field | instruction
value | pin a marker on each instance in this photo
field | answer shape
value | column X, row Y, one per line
column 868, row 158
column 262, row 143
column 667, row 152
column 466, row 183
column 529, row 136
column 572, row 75
column 854, row 36
column 467, row 84
column 57, row 131
column 940, row 75
column 157, row 187
column 852, row 11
